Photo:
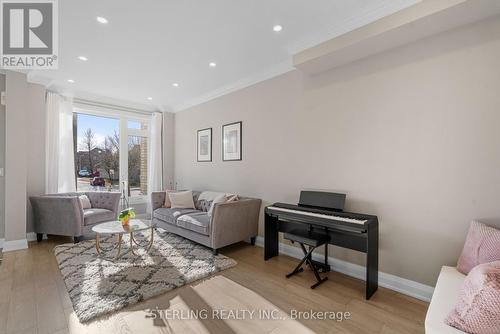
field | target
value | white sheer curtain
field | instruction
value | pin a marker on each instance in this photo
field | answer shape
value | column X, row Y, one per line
column 60, row 162
column 155, row 168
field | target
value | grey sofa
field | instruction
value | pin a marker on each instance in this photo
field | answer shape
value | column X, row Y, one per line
column 62, row 214
column 230, row 222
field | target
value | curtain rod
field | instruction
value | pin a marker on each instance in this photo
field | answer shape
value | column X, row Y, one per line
column 111, row 106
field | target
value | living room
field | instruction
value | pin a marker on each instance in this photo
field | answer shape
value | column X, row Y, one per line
column 248, row 167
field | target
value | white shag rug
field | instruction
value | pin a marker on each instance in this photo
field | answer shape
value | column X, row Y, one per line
column 98, row 286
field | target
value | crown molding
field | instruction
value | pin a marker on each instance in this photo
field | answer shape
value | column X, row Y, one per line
column 272, row 72
column 334, row 30
column 388, row 8
column 352, row 23
column 31, row 77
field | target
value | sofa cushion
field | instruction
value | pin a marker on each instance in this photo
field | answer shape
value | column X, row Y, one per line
column 481, row 246
column 478, row 307
column 197, row 222
column 170, row 215
column 96, row 215
column 444, row 298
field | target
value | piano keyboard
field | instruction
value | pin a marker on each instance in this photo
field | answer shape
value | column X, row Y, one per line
column 319, row 215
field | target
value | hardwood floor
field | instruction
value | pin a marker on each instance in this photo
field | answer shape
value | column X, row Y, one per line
column 33, row 299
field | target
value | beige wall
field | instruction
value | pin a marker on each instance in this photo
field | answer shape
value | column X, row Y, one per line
column 25, row 152
column 36, row 147
column 411, row 135
column 2, row 160
column 16, row 146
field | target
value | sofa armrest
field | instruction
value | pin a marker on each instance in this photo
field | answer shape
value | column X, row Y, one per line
column 234, row 221
column 444, row 299
column 157, row 199
column 104, row 200
column 59, row 215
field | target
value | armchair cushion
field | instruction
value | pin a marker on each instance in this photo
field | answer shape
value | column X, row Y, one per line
column 96, row 215
column 198, row 222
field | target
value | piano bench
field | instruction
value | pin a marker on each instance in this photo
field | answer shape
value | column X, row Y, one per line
column 313, row 240
column 309, row 238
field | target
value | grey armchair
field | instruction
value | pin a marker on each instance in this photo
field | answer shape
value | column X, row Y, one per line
column 62, row 214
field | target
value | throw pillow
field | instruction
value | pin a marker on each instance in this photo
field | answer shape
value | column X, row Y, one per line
column 181, row 200
column 232, row 198
column 218, row 199
column 478, row 307
column 167, row 203
column 209, row 195
column 204, row 205
column 481, row 246
column 85, row 202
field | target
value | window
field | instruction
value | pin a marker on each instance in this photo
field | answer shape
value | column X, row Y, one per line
column 97, row 153
column 100, row 138
column 137, row 140
column 137, row 165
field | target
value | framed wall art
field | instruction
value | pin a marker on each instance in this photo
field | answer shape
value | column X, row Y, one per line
column 231, row 141
column 204, row 146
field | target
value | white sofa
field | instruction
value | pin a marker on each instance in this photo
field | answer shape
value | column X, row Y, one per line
column 443, row 301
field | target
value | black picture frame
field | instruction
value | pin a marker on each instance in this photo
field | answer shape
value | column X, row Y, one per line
column 198, row 145
column 239, row 156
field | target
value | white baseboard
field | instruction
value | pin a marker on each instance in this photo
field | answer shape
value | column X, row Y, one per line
column 13, row 245
column 392, row 282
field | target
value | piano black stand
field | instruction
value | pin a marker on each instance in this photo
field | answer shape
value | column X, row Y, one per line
column 359, row 237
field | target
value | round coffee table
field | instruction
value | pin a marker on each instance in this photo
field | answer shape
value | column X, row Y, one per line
column 116, row 227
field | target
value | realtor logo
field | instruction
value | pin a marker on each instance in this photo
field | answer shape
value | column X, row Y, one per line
column 29, row 34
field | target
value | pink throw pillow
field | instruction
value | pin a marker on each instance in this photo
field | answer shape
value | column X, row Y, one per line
column 478, row 307
column 167, row 203
column 481, row 246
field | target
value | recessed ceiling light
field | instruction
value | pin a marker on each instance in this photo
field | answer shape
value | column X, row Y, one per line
column 277, row 28
column 102, row 20
column 83, row 58
column 71, row 81
column 175, row 84
column 150, row 98
column 212, row 64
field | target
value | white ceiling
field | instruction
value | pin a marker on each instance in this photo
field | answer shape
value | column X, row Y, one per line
column 148, row 45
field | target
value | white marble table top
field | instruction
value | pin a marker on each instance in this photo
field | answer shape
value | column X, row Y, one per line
column 116, row 227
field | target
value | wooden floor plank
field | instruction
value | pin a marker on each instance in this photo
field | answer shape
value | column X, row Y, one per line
column 33, row 299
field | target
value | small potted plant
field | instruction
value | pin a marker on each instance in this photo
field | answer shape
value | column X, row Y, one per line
column 126, row 215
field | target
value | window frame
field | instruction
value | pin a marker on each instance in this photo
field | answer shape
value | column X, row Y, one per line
column 124, row 117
